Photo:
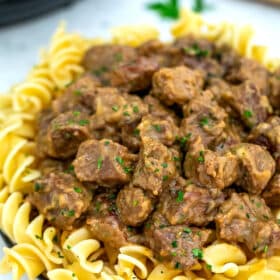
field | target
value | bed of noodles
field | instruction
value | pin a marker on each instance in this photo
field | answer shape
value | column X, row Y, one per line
column 61, row 255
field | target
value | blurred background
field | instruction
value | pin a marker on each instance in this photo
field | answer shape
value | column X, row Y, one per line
column 20, row 41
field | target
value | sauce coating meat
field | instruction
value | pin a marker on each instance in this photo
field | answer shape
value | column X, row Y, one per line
column 171, row 145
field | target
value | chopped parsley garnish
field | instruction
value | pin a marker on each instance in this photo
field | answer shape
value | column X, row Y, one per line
column 99, row 163
column 248, row 114
column 157, row 127
column 266, row 217
column 241, row 207
column 125, row 113
column 69, row 213
column 278, row 221
column 83, row 122
column 165, row 178
column 174, row 254
column 136, row 132
column 174, row 244
column 199, row 6
column 119, row 160
column 106, row 143
column 59, row 255
column 258, row 204
column 156, row 170
column 164, row 165
column 77, row 92
column 187, row 230
column 55, row 239
column 180, row 196
column 100, row 71
column 38, row 237
column 209, row 266
column 76, row 113
column 118, row 57
column 162, row 226
column 196, row 51
column 77, row 190
column 248, row 215
column 37, row 187
column 73, row 275
column 176, row 158
column 200, row 159
column 127, row 169
column 185, row 139
column 129, row 228
column 203, row 121
column 265, row 249
column 115, row 108
column 97, row 206
column 177, row 265
column 68, row 247
column 166, row 9
column 197, row 253
column 135, row 203
column 135, row 109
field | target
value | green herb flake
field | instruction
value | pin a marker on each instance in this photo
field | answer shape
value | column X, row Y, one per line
column 180, row 196
column 166, row 9
column 68, row 247
column 118, row 57
column 157, row 127
column 209, row 266
column 248, row 114
column 77, row 92
column 258, row 204
column 265, row 249
column 97, row 206
column 278, row 221
column 174, row 254
column 136, row 132
column 127, row 169
column 125, row 113
column 98, row 72
column 76, row 113
column 248, row 215
column 174, row 244
column 115, row 108
column 199, row 6
column 38, row 237
column 73, row 275
column 165, row 178
column 187, row 230
column 164, row 165
column 177, row 265
column 77, row 190
column 201, row 159
column 195, row 50
column 129, row 228
column 203, row 121
column 70, row 213
column 60, row 255
column 241, row 207
column 106, row 143
column 135, row 203
column 37, row 187
column 83, row 122
column 135, row 109
column 266, row 217
column 119, row 160
column 176, row 158
column 99, row 163
column 185, row 139
column 197, row 253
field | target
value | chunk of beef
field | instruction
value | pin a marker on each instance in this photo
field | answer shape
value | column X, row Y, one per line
column 155, row 166
column 162, row 130
column 176, row 85
column 246, row 219
column 271, row 193
column 248, row 69
column 256, row 167
column 130, row 136
column 78, row 96
column 100, row 60
column 249, row 103
column 184, row 203
column 204, row 118
column 166, row 55
column 134, row 205
column 64, row 134
column 210, row 169
column 104, row 223
column 111, row 132
column 104, row 162
column 61, row 198
column 274, row 94
column 218, row 87
column 111, row 107
column 49, row 165
column 267, row 134
column 179, row 245
column 134, row 76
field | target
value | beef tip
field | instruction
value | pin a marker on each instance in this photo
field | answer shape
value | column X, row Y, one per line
column 166, row 55
column 176, row 85
column 155, row 166
column 248, row 69
column 100, row 60
column 134, row 76
column 65, row 133
column 104, row 223
column 185, row 203
column 204, row 118
column 111, row 107
column 134, row 205
column 61, row 198
column 210, row 169
column 271, row 193
column 78, row 96
column 162, row 130
column 218, row 87
column 274, row 94
column 104, row 162
column 157, row 109
column 130, row 136
column 49, row 165
column 256, row 167
column 245, row 219
column 267, row 134
column 179, row 245
column 111, row 132
column 247, row 100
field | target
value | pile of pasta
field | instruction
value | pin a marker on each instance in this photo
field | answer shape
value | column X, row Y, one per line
column 62, row 255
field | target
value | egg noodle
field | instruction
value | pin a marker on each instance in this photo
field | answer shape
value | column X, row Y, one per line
column 61, row 255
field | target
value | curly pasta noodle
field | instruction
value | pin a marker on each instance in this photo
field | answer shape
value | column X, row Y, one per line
column 76, row 255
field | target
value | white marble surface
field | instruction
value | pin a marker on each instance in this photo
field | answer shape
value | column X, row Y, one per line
column 19, row 43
